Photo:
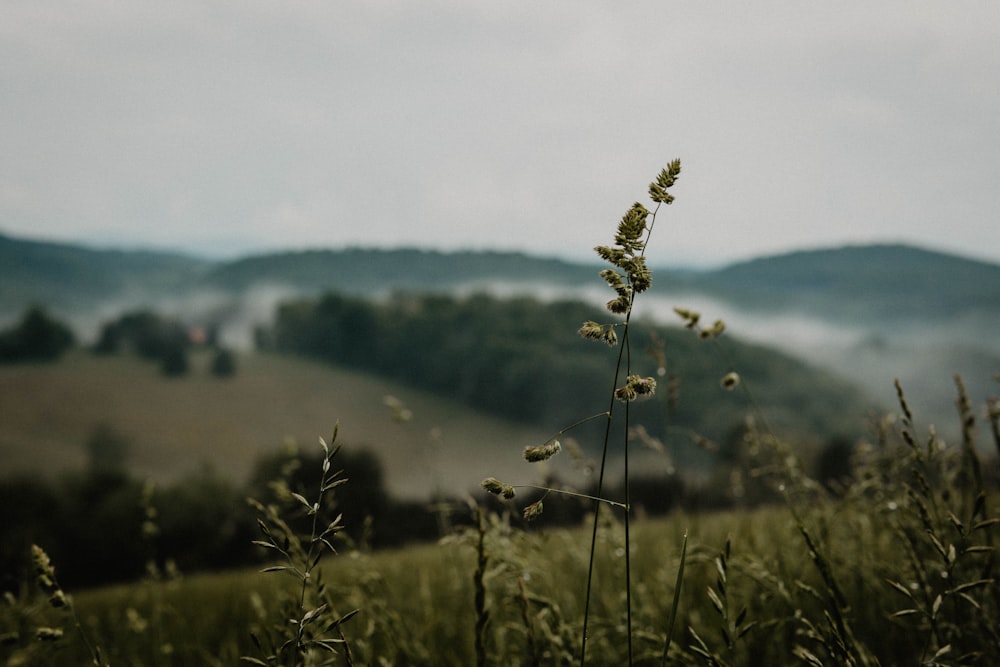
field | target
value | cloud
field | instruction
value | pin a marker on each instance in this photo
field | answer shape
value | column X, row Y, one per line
column 513, row 125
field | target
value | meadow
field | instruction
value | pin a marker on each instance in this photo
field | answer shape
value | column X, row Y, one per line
column 891, row 562
column 178, row 427
column 894, row 568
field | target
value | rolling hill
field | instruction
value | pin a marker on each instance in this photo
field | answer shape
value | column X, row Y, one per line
column 73, row 278
column 175, row 427
column 887, row 284
column 866, row 313
column 874, row 285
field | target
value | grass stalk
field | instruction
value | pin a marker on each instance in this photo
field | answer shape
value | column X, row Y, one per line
column 676, row 603
column 633, row 236
column 478, row 578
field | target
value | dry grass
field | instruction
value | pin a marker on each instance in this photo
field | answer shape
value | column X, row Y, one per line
column 175, row 426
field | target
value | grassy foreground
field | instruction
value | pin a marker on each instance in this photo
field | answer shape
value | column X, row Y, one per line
column 889, row 573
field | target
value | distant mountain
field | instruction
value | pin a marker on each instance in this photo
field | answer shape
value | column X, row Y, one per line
column 75, row 278
column 875, row 285
column 888, row 283
column 875, row 314
column 869, row 313
column 369, row 271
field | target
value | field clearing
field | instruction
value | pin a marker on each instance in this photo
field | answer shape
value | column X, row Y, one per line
column 417, row 604
column 176, row 426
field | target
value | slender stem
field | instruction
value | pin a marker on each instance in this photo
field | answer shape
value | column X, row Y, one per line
column 624, row 352
column 482, row 615
column 628, row 541
column 579, row 422
column 549, row 489
column 600, row 492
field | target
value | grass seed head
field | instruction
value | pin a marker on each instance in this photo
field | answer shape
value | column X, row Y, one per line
column 498, row 488
column 542, row 453
column 730, row 381
column 47, row 634
column 533, row 511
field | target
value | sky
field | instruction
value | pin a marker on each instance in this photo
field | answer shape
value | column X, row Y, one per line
column 225, row 129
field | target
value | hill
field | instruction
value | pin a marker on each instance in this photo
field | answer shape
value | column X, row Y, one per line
column 869, row 313
column 76, row 279
column 370, row 271
column 874, row 283
column 176, row 426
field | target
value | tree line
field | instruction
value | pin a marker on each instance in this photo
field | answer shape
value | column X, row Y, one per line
column 522, row 358
column 41, row 337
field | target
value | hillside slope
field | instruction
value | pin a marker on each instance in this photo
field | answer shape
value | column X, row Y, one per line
column 865, row 283
column 370, row 271
column 888, row 283
column 74, row 278
column 176, row 426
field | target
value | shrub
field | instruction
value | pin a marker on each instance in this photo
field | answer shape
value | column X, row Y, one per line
column 223, row 363
column 37, row 337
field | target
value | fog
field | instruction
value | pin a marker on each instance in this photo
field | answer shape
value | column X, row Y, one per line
column 924, row 357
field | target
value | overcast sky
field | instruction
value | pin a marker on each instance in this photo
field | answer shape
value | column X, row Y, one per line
column 227, row 128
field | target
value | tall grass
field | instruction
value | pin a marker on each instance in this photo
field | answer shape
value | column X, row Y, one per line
column 629, row 278
column 419, row 606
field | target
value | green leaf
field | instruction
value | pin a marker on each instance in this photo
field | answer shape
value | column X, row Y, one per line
column 804, row 654
column 942, row 651
column 716, row 602
column 984, row 524
column 937, row 545
column 900, row 587
column 330, row 645
column 970, row 600
column 343, row 619
column 720, row 566
column 310, row 615
column 745, row 629
column 333, row 485
column 972, row 584
column 977, row 550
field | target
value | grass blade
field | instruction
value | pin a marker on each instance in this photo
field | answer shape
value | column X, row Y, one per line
column 677, row 599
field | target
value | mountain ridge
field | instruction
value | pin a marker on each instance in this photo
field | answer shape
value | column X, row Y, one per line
column 867, row 282
column 888, row 282
column 895, row 310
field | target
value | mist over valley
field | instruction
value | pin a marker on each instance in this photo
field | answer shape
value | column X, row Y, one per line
column 866, row 314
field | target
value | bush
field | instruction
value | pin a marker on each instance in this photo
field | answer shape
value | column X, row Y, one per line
column 174, row 361
column 37, row 337
column 223, row 363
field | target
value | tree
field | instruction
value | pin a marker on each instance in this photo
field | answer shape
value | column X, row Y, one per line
column 37, row 337
column 174, row 361
column 223, row 363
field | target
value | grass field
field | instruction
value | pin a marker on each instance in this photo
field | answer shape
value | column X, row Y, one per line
column 175, row 426
column 417, row 605
column 897, row 567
